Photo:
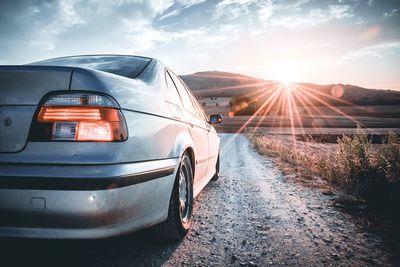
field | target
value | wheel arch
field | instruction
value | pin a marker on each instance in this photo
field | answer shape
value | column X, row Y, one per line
column 184, row 143
column 191, row 154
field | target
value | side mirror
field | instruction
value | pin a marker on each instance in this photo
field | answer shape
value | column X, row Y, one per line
column 215, row 119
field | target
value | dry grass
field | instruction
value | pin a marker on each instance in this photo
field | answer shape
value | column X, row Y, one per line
column 353, row 163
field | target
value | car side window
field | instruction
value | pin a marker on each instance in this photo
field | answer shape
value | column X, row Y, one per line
column 199, row 110
column 187, row 102
column 172, row 94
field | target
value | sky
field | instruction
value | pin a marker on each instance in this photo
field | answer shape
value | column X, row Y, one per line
column 320, row 41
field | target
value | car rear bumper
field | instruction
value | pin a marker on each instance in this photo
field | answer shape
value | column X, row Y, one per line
column 84, row 201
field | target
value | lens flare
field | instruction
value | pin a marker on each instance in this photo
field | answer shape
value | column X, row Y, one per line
column 285, row 103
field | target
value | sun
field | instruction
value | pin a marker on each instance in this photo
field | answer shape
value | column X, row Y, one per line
column 286, row 72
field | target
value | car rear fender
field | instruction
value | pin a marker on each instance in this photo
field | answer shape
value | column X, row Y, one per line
column 183, row 143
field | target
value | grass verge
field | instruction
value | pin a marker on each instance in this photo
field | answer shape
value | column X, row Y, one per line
column 351, row 164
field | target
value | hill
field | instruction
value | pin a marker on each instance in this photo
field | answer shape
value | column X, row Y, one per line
column 218, row 83
column 225, row 84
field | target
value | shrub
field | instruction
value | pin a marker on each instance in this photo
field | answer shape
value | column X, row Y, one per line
column 353, row 162
column 389, row 160
column 351, row 166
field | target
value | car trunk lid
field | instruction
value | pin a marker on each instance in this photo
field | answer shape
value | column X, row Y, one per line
column 21, row 89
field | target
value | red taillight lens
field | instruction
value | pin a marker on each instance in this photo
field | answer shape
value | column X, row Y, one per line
column 53, row 114
column 78, row 122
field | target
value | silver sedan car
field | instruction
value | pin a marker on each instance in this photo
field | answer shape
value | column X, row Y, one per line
column 101, row 145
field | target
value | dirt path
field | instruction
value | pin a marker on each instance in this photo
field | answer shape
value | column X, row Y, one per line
column 250, row 216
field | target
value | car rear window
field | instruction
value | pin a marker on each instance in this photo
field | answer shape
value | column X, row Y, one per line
column 127, row 66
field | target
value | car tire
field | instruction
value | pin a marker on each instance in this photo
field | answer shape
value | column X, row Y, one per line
column 180, row 208
column 216, row 175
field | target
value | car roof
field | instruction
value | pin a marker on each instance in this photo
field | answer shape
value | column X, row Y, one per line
column 97, row 55
column 116, row 64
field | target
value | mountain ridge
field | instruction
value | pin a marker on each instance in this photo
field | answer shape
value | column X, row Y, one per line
column 227, row 84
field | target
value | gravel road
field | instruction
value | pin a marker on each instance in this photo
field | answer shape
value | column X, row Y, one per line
column 250, row 216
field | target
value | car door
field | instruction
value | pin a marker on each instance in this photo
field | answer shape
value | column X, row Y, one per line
column 213, row 141
column 198, row 129
column 213, row 150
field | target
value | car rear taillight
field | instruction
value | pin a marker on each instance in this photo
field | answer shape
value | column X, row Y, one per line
column 79, row 117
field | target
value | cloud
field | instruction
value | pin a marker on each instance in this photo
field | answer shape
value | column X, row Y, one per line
column 265, row 12
column 155, row 5
column 391, row 13
column 60, row 26
column 143, row 37
column 178, row 7
column 189, row 3
column 232, row 9
column 374, row 51
column 312, row 18
column 172, row 13
column 274, row 14
column 65, row 18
